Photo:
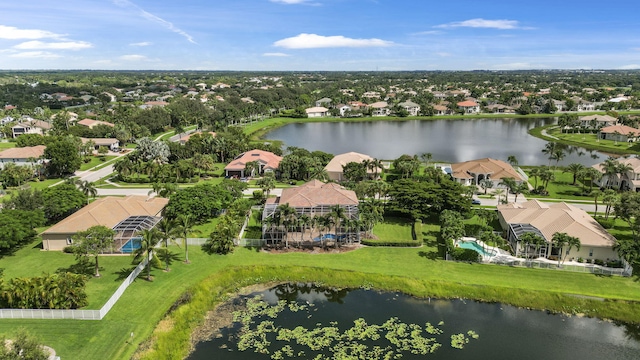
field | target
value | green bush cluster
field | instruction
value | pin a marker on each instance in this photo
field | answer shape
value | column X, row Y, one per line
column 393, row 243
column 460, row 254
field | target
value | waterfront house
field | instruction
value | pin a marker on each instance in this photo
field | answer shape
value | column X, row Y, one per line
column 335, row 167
column 474, row 171
column 597, row 121
column 380, row 108
column 267, row 162
column 412, row 108
column 619, row 132
column 469, row 107
column 324, row 102
column 545, row 220
column 93, row 123
column 630, row 180
column 317, row 111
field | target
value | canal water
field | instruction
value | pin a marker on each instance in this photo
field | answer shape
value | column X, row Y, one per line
column 447, row 140
column 505, row 332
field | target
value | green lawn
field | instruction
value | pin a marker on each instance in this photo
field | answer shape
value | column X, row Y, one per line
column 144, row 303
column 592, row 141
column 95, row 161
column 7, row 145
column 31, row 261
column 203, row 230
column 561, row 187
column 393, row 228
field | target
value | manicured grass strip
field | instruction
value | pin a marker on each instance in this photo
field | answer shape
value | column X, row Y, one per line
column 7, row 145
column 144, row 304
column 399, row 243
column 171, row 339
column 95, row 161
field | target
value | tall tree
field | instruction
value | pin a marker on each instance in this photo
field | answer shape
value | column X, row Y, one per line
column 93, row 242
column 562, row 240
column 185, row 226
column 88, row 189
column 574, row 169
column 148, row 240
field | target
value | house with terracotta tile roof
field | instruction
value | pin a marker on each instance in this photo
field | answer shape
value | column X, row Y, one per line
column 335, row 167
column 267, row 162
column 474, row 171
column 30, row 127
column 469, row 107
column 379, row 108
column 441, row 110
column 24, row 156
column 629, row 180
column 314, row 198
column 110, row 143
column 597, row 121
column 412, row 108
column 619, row 132
column 545, row 219
column 90, row 123
column 317, row 111
column 184, row 139
column 108, row 211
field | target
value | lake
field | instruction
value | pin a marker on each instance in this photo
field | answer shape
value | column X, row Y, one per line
column 504, row 332
column 447, row 140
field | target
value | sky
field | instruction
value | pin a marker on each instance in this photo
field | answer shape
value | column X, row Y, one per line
column 308, row 35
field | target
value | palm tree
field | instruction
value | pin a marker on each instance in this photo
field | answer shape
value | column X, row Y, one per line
column 535, row 173
column 595, row 193
column 88, row 189
column 338, row 214
column 288, row 217
column 376, row 164
column 610, row 169
column 574, row 169
column 498, row 193
column 511, row 159
column 546, row 176
column 609, row 197
column 303, row 221
column 185, row 226
column 622, row 169
column 530, row 238
column 558, row 154
column 593, row 175
column 168, row 232
column 520, row 189
column 548, row 150
column 561, row 240
column 148, row 239
column 267, row 183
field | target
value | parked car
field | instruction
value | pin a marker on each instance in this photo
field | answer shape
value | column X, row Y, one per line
column 475, row 201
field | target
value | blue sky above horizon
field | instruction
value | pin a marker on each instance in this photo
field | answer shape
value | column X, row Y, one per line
column 350, row 35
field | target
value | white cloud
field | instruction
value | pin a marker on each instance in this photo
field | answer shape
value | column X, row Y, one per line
column 35, row 55
column 630, row 67
column 443, row 54
column 133, row 57
column 13, row 33
column 149, row 16
column 144, row 43
column 313, row 41
column 276, row 54
column 66, row 45
column 428, row 32
column 483, row 23
column 519, row 66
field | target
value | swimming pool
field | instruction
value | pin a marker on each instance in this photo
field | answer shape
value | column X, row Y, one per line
column 130, row 246
column 472, row 245
column 325, row 237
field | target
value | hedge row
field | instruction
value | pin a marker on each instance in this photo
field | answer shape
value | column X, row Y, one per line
column 394, row 243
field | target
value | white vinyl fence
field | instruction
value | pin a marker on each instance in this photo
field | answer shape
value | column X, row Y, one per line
column 76, row 314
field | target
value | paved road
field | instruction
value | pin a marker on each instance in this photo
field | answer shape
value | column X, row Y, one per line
column 586, row 206
column 96, row 175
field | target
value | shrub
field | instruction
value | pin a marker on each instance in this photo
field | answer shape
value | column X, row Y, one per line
column 615, row 264
column 392, row 243
column 460, row 254
column 606, row 223
column 598, row 262
column 68, row 249
column 580, row 260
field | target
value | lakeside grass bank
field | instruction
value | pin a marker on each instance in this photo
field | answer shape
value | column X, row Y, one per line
column 587, row 141
column 172, row 337
column 143, row 306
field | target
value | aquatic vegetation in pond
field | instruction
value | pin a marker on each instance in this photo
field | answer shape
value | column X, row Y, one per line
column 389, row 340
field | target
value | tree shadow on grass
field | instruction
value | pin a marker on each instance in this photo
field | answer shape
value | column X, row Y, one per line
column 82, row 267
column 431, row 255
column 123, row 273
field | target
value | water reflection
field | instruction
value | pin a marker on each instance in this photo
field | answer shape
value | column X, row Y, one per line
column 447, row 140
column 505, row 332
